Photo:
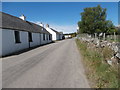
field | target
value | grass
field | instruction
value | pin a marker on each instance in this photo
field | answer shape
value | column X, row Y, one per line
column 99, row 73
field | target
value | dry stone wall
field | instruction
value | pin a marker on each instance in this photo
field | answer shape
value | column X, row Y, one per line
column 96, row 43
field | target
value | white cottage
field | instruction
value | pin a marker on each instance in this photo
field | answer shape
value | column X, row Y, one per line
column 19, row 34
column 55, row 34
column 67, row 36
column 61, row 36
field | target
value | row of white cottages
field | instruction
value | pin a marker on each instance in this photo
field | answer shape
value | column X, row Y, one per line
column 19, row 34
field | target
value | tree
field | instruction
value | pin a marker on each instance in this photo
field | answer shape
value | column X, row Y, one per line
column 93, row 20
column 110, row 28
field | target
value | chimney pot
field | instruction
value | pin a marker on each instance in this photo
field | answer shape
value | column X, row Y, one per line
column 47, row 25
column 41, row 24
column 23, row 17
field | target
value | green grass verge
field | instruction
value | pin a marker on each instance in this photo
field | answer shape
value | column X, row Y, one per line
column 99, row 73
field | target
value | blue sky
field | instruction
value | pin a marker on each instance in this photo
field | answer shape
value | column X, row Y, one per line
column 62, row 16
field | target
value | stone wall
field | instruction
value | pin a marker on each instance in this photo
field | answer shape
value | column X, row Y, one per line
column 96, row 43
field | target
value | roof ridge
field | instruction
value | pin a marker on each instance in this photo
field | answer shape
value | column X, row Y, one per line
column 19, row 18
column 15, row 23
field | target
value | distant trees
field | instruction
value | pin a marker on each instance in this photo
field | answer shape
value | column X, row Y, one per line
column 73, row 34
column 93, row 20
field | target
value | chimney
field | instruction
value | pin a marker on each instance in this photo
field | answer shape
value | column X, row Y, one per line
column 41, row 24
column 47, row 25
column 23, row 17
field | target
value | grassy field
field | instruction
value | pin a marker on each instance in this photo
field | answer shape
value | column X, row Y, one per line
column 99, row 73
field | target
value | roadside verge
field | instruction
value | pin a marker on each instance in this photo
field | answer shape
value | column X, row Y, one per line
column 99, row 73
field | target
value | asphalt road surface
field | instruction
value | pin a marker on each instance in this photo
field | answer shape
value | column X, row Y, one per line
column 56, row 65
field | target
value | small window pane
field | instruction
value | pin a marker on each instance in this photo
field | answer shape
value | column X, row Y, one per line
column 43, row 36
column 17, row 36
column 49, row 37
column 30, row 37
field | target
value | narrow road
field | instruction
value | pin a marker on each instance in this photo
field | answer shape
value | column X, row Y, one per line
column 56, row 65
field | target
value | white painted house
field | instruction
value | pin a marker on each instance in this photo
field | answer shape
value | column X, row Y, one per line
column 19, row 34
column 61, row 35
column 67, row 36
column 55, row 34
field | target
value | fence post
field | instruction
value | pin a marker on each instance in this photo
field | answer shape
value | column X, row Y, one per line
column 114, row 36
column 95, row 35
column 103, row 36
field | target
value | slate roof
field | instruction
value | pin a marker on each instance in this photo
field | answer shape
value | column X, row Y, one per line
column 14, row 23
column 61, row 32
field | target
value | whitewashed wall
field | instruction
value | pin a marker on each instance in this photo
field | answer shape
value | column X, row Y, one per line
column 66, row 36
column 0, row 42
column 49, row 39
column 61, row 36
column 35, row 39
column 53, row 33
column 8, row 42
column 57, row 36
column 43, row 41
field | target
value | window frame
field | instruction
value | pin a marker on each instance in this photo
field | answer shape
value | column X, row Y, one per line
column 43, row 36
column 47, row 37
column 30, row 38
column 50, row 37
column 17, row 37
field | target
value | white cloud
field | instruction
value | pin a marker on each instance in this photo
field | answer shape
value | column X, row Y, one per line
column 60, row 28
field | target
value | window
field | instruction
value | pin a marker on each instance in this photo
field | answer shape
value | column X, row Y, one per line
column 43, row 36
column 30, row 36
column 17, row 36
column 49, row 37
